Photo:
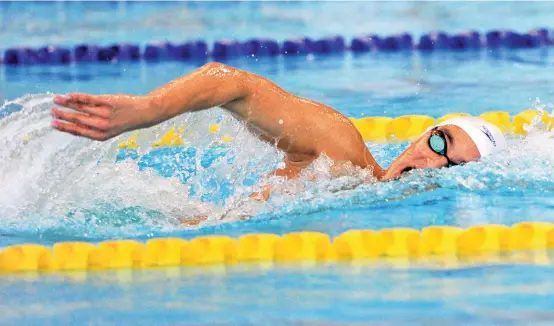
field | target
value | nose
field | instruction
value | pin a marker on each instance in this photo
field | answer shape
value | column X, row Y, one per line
column 414, row 158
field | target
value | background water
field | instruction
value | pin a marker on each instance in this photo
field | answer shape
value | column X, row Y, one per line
column 37, row 23
column 55, row 187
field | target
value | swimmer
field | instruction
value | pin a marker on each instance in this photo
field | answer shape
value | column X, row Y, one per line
column 303, row 129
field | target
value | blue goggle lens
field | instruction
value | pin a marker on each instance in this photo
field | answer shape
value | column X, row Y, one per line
column 437, row 144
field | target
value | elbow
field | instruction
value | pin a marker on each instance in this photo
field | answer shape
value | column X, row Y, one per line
column 233, row 78
column 217, row 69
column 221, row 70
column 211, row 66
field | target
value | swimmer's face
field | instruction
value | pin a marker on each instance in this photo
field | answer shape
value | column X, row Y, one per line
column 460, row 148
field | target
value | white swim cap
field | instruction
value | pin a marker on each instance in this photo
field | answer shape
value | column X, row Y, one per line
column 487, row 137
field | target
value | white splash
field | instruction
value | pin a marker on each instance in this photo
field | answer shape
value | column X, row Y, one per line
column 49, row 179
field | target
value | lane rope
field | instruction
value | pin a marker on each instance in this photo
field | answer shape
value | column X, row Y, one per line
column 380, row 129
column 481, row 244
column 266, row 47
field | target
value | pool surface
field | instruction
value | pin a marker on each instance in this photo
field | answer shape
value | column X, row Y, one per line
column 55, row 187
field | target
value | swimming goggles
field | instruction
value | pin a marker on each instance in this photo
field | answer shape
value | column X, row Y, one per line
column 437, row 142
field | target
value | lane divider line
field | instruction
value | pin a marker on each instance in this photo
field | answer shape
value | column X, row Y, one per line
column 433, row 242
column 266, row 47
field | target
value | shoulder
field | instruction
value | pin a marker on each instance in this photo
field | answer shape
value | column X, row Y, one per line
column 342, row 140
column 345, row 143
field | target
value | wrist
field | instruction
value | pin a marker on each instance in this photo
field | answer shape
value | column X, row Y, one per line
column 154, row 106
column 151, row 102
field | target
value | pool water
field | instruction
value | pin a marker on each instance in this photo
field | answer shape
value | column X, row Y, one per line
column 345, row 295
column 55, row 187
column 104, row 22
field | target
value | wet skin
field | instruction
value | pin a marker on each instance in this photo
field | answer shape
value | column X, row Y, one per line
column 302, row 128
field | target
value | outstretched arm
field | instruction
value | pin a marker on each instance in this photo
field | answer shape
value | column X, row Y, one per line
column 247, row 96
column 106, row 116
column 302, row 128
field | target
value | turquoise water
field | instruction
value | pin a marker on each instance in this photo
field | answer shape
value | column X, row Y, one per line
column 287, row 296
column 55, row 187
column 104, row 22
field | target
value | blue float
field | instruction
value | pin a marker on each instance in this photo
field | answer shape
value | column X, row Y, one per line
column 310, row 43
column 297, row 46
column 360, row 44
column 396, row 43
column 188, row 51
column 126, row 52
column 199, row 50
column 434, row 41
column 466, row 40
column 226, row 49
column 406, row 41
column 475, row 38
column 85, row 53
column 53, row 55
column 389, row 44
column 251, row 47
column 333, row 44
column 494, row 39
column 269, row 47
column 60, row 55
column 42, row 55
column 365, row 43
column 157, row 51
column 542, row 35
column 530, row 41
column 107, row 54
column 19, row 56
column 511, row 39
column 180, row 51
column 459, row 42
column 260, row 47
column 514, row 40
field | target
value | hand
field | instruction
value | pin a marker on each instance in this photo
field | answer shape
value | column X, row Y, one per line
column 195, row 221
column 102, row 117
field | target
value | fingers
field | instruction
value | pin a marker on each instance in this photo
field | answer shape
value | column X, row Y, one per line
column 81, row 119
column 102, row 112
column 82, row 98
column 192, row 221
column 90, row 104
column 77, row 130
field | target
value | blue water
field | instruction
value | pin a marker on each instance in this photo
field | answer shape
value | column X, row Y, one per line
column 55, row 187
column 310, row 296
column 67, row 23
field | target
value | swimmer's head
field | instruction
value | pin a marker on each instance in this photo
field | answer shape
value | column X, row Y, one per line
column 452, row 142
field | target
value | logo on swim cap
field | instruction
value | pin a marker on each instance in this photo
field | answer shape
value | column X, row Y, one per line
column 487, row 132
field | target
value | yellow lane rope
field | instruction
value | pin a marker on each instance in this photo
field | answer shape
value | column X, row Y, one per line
column 353, row 245
column 385, row 129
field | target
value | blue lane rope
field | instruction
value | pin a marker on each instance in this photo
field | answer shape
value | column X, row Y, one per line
column 198, row 50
